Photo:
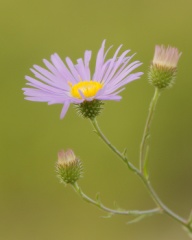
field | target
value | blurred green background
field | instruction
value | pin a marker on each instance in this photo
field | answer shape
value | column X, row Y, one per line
column 33, row 204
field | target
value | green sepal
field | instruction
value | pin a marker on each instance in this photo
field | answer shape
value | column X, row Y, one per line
column 89, row 109
column 71, row 173
column 161, row 77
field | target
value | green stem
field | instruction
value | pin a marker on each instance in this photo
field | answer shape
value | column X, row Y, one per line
column 144, row 148
column 144, row 143
column 112, row 147
column 161, row 206
column 113, row 211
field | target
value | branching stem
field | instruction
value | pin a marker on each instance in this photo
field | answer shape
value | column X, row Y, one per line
column 112, row 147
column 140, row 173
column 98, row 204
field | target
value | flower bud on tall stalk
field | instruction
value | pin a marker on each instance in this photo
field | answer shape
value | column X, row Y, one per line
column 163, row 69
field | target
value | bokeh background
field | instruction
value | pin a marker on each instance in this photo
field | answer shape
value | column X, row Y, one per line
column 33, row 204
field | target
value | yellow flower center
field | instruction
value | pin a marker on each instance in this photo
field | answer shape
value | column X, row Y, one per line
column 88, row 88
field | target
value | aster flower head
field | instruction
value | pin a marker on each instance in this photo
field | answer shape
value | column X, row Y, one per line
column 69, row 83
column 163, row 69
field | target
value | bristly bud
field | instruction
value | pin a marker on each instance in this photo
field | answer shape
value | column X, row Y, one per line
column 89, row 109
column 68, row 167
column 163, row 69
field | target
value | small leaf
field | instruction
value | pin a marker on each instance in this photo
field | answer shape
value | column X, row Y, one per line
column 146, row 161
column 96, row 132
column 124, row 153
column 117, row 207
column 98, row 198
column 109, row 215
column 137, row 219
column 190, row 218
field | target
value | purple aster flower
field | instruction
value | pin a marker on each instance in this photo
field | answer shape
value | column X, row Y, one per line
column 73, row 83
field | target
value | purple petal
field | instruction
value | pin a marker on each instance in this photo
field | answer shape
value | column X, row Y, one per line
column 47, row 81
column 127, row 80
column 111, row 97
column 59, row 64
column 45, row 72
column 81, row 69
column 112, row 62
column 116, row 66
column 73, row 69
column 42, row 86
column 99, row 60
column 126, row 71
column 64, row 109
column 87, row 58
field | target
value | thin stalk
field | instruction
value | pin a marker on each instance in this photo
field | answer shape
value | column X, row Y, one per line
column 113, row 211
column 111, row 146
column 146, row 134
column 161, row 206
column 144, row 148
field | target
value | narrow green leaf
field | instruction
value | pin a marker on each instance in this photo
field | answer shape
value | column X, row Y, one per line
column 146, row 161
column 137, row 219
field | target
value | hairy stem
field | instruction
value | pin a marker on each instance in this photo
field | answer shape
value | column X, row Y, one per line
column 113, row 211
column 161, row 206
column 112, row 147
column 146, row 134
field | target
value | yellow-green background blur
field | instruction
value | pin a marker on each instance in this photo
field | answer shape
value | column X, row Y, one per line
column 33, row 204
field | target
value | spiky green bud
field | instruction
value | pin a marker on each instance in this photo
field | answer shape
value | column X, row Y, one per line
column 68, row 167
column 163, row 70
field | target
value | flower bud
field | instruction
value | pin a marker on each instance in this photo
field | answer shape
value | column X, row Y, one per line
column 163, row 69
column 68, row 167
